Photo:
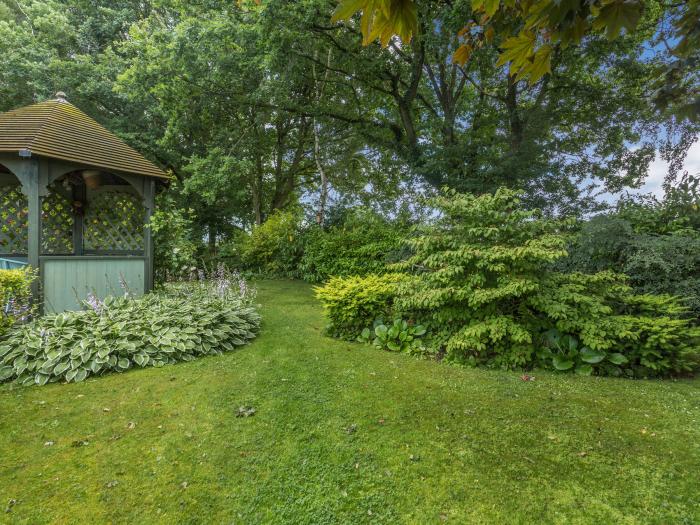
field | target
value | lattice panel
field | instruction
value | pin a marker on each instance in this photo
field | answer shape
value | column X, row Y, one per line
column 114, row 222
column 56, row 224
column 14, row 214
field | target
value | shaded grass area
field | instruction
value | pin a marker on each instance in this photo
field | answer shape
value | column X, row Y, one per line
column 344, row 433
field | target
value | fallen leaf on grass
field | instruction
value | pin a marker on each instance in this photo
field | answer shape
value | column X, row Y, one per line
column 245, row 411
column 131, row 425
column 112, row 484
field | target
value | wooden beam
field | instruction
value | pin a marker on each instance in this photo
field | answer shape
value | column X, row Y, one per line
column 29, row 173
column 149, row 187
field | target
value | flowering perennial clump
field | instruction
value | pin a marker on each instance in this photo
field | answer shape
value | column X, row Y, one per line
column 179, row 323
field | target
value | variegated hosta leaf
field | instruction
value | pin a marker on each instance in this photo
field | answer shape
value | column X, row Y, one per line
column 154, row 330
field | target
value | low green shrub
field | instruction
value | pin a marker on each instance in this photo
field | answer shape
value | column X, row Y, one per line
column 598, row 324
column 180, row 324
column 362, row 244
column 354, row 303
column 15, row 296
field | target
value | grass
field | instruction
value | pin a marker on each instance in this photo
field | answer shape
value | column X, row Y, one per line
column 344, row 433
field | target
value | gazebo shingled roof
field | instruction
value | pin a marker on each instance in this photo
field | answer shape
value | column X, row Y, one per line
column 59, row 130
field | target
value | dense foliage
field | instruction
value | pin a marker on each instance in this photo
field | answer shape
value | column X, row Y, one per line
column 533, row 33
column 483, row 280
column 174, row 240
column 363, row 243
column 184, row 322
column 656, row 244
column 268, row 105
column 273, row 248
column 358, row 242
column 15, row 296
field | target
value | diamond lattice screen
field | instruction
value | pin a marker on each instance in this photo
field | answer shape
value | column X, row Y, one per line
column 15, row 215
column 56, row 224
column 114, row 222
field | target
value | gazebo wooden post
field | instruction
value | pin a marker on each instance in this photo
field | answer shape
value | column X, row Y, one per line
column 33, row 176
column 78, row 194
column 149, row 191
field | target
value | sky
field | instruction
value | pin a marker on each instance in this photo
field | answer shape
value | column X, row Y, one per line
column 659, row 168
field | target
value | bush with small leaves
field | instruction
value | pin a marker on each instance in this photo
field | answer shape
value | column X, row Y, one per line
column 354, row 303
column 15, row 296
column 274, row 247
column 483, row 277
column 364, row 243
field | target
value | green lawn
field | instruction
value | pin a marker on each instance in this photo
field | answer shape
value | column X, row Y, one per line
column 344, row 433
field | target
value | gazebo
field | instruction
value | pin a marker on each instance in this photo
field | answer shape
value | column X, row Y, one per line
column 74, row 202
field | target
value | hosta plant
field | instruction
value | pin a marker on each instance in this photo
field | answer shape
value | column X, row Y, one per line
column 117, row 334
column 564, row 352
column 400, row 336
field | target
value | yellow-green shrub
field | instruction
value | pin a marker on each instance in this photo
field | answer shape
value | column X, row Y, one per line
column 15, row 296
column 354, row 303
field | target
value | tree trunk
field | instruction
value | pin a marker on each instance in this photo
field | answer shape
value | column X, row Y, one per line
column 256, row 188
column 323, row 198
column 212, row 238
